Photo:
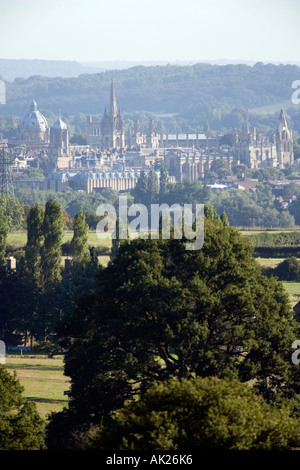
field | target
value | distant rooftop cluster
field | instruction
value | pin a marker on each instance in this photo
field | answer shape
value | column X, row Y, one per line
column 109, row 146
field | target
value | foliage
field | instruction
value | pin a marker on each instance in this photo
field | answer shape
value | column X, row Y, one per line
column 247, row 209
column 13, row 210
column 79, row 244
column 35, row 238
column 288, row 270
column 198, row 97
column 21, row 428
column 274, row 238
column 78, row 139
column 294, row 209
column 3, row 236
column 200, row 414
column 32, row 174
column 159, row 311
column 51, row 252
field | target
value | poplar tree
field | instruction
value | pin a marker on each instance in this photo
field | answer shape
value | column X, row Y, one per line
column 31, row 273
column 140, row 190
column 49, row 304
column 34, row 241
column 224, row 219
column 79, row 244
column 51, row 253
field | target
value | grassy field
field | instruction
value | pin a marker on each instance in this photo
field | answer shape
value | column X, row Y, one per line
column 19, row 239
column 256, row 232
column 293, row 289
column 270, row 262
column 43, row 381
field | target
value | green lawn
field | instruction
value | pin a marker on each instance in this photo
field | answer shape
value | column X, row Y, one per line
column 293, row 289
column 19, row 239
column 43, row 381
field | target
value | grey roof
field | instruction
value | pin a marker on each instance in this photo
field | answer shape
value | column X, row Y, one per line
column 184, row 136
column 59, row 124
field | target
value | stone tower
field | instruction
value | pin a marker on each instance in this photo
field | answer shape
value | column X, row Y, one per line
column 59, row 147
column 59, row 138
column 112, row 126
column 284, row 142
column 152, row 138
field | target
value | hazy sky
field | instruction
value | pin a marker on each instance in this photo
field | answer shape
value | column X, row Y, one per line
column 142, row 30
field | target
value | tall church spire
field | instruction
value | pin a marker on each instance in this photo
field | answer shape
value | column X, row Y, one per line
column 112, row 107
column 282, row 124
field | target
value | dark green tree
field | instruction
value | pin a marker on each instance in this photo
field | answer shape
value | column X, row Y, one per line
column 51, row 256
column 288, row 270
column 3, row 236
column 294, row 209
column 13, row 210
column 30, row 273
column 200, row 414
column 79, row 249
column 152, row 188
column 34, row 243
column 224, row 219
column 21, row 428
column 159, row 311
column 51, row 252
column 141, row 188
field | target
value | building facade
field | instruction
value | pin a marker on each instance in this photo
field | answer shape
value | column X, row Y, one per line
column 109, row 133
column 255, row 150
column 33, row 130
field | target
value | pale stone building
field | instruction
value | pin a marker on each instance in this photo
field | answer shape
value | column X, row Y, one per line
column 59, row 147
column 33, row 130
column 257, row 151
column 109, row 133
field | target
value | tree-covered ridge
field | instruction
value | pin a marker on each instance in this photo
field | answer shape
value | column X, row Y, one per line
column 165, row 89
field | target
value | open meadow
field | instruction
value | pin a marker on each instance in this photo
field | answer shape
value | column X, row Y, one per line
column 43, row 380
column 19, row 239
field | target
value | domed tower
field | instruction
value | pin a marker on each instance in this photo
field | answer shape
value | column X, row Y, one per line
column 59, row 148
column 59, row 138
column 33, row 129
column 112, row 126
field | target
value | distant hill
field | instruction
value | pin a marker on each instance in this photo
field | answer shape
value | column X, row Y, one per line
column 195, row 92
column 14, row 68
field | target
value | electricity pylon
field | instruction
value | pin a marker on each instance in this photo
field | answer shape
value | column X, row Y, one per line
column 6, row 185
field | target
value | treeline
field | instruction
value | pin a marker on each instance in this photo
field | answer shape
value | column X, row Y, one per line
column 193, row 94
column 243, row 208
column 270, row 239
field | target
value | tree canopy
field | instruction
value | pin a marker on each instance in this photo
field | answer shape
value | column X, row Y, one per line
column 198, row 414
column 160, row 311
column 21, row 428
